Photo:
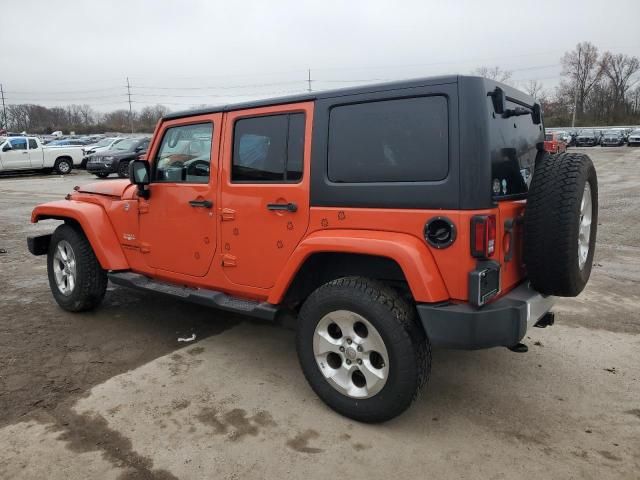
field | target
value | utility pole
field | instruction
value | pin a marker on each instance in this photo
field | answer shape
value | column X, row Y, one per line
column 4, row 109
column 130, row 110
column 309, row 80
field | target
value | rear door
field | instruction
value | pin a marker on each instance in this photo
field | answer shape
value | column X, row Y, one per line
column 36, row 158
column 264, row 190
column 178, row 230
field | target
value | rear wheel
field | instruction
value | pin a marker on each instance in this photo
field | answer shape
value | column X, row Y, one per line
column 560, row 224
column 102, row 175
column 76, row 278
column 361, row 349
column 63, row 166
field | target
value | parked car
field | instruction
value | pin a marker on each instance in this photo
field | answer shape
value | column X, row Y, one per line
column 116, row 159
column 588, row 138
column 634, row 137
column 234, row 209
column 612, row 138
column 69, row 142
column 27, row 153
column 553, row 143
column 103, row 144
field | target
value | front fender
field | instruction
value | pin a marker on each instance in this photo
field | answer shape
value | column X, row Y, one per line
column 411, row 254
column 95, row 225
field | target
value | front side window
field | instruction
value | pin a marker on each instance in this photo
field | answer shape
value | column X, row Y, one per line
column 268, row 149
column 185, row 154
column 18, row 143
column 403, row 140
column 33, row 145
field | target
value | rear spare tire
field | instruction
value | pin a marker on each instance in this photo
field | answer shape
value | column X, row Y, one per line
column 560, row 224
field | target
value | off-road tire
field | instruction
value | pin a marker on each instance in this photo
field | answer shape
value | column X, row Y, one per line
column 91, row 281
column 123, row 169
column 102, row 175
column 63, row 166
column 551, row 224
column 408, row 347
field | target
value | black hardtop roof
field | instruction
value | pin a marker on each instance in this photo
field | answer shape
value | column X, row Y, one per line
column 373, row 87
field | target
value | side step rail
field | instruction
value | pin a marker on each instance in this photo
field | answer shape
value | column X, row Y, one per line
column 201, row 296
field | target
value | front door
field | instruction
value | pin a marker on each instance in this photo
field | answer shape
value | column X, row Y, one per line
column 264, row 190
column 18, row 157
column 178, row 222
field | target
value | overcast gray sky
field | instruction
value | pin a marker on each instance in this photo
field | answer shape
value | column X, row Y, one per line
column 184, row 53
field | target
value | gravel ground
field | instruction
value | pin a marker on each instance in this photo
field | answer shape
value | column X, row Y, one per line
column 113, row 394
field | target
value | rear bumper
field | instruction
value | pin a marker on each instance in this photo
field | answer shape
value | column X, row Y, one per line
column 502, row 323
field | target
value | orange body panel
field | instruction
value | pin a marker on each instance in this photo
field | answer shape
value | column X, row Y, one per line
column 96, row 225
column 244, row 249
column 409, row 252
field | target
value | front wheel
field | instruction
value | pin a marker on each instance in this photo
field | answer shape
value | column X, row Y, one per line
column 361, row 349
column 76, row 279
column 102, row 175
column 123, row 169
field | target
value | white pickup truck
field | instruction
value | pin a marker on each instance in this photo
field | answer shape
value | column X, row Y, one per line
column 27, row 153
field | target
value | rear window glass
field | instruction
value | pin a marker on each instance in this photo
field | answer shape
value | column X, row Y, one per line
column 548, row 137
column 405, row 140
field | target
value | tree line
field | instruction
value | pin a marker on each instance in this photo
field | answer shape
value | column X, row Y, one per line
column 596, row 89
column 80, row 119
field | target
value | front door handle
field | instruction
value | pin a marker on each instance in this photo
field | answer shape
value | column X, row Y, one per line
column 289, row 207
column 201, row 203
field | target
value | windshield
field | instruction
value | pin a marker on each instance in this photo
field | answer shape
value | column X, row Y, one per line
column 612, row 133
column 104, row 142
column 125, row 145
column 635, row 132
column 588, row 133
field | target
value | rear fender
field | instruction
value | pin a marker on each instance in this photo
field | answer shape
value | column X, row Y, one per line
column 94, row 223
column 411, row 254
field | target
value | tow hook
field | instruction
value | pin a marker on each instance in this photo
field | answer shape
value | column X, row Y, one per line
column 546, row 320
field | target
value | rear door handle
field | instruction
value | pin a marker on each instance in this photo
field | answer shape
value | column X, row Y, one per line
column 201, row 203
column 289, row 207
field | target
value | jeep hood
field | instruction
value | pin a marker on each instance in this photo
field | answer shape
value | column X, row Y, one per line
column 112, row 188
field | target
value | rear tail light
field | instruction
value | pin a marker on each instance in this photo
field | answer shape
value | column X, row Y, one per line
column 483, row 236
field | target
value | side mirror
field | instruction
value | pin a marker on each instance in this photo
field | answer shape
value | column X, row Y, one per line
column 139, row 148
column 499, row 100
column 139, row 175
column 7, row 147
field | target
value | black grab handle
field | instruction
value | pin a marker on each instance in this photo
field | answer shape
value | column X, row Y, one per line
column 289, row 207
column 201, row 203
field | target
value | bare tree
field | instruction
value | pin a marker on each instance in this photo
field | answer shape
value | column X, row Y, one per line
column 583, row 69
column 619, row 69
column 494, row 73
column 533, row 88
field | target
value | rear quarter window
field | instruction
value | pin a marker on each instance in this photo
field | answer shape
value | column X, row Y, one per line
column 402, row 140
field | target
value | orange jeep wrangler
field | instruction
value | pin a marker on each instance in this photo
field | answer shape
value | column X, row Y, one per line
column 388, row 218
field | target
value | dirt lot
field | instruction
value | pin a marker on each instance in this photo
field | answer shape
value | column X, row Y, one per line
column 113, row 394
